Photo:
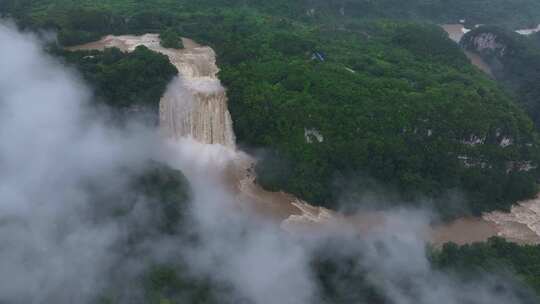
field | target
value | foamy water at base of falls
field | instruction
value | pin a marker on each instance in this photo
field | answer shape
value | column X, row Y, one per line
column 194, row 117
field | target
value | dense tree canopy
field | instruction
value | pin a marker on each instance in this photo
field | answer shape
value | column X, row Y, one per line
column 394, row 101
column 125, row 80
column 110, row 15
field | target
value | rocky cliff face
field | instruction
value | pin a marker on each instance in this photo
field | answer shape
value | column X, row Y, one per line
column 486, row 43
column 492, row 46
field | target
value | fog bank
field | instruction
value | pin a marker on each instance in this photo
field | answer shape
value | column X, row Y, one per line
column 54, row 149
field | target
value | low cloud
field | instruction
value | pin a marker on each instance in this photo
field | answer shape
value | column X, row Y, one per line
column 52, row 147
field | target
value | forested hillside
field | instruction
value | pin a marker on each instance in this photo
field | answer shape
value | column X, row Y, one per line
column 124, row 80
column 507, row 13
column 495, row 256
column 512, row 14
column 386, row 104
column 393, row 101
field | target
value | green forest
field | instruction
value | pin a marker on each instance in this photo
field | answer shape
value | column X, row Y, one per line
column 494, row 256
column 388, row 105
column 510, row 14
column 124, row 80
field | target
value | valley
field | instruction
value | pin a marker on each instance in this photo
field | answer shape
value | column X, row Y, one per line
column 192, row 94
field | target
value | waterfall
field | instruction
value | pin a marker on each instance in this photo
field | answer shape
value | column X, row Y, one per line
column 195, row 104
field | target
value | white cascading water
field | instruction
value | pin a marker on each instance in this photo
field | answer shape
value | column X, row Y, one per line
column 195, row 104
